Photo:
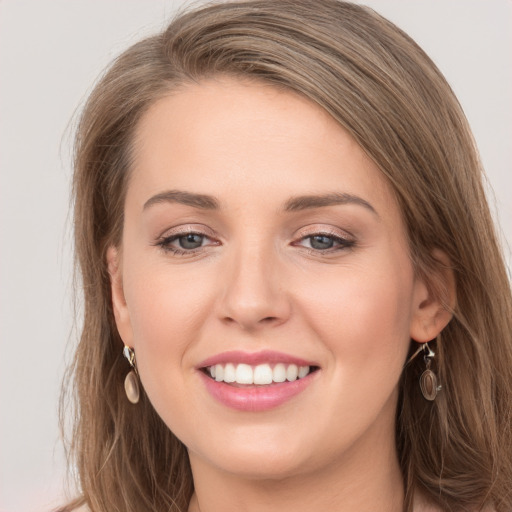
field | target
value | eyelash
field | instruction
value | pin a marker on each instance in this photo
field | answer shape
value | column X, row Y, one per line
column 343, row 243
column 165, row 243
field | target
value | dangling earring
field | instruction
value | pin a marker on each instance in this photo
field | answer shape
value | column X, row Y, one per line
column 131, row 382
column 428, row 379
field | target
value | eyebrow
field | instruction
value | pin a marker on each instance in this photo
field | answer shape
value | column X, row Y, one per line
column 201, row 201
column 293, row 204
column 300, row 203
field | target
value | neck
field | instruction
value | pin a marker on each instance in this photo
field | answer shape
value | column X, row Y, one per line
column 366, row 478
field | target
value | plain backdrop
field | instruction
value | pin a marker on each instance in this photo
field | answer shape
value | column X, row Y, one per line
column 51, row 52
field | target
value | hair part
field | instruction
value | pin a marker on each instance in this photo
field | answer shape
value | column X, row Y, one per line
column 382, row 88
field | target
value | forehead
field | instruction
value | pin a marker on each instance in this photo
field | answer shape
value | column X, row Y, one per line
column 223, row 135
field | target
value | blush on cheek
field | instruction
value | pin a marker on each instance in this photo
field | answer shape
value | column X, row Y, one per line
column 372, row 319
column 165, row 325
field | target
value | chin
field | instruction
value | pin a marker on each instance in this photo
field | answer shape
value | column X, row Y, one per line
column 262, row 453
column 262, row 466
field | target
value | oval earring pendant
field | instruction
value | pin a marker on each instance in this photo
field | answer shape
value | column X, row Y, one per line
column 131, row 387
column 428, row 385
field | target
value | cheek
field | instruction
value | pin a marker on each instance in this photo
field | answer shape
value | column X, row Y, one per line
column 363, row 317
column 167, row 311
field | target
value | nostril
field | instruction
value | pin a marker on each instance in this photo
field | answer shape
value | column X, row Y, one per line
column 267, row 319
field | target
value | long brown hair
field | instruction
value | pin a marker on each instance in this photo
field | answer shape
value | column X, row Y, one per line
column 381, row 87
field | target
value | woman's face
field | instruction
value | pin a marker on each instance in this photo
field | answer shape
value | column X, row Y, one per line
column 261, row 245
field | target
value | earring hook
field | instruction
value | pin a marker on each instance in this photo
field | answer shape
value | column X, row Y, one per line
column 428, row 353
column 129, row 354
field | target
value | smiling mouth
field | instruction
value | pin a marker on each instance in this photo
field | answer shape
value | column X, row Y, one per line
column 241, row 375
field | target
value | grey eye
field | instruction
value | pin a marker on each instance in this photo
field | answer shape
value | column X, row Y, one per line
column 321, row 242
column 191, row 241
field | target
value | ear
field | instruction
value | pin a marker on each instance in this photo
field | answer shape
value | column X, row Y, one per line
column 121, row 312
column 433, row 300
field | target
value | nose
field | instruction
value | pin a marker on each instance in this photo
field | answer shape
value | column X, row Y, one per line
column 254, row 294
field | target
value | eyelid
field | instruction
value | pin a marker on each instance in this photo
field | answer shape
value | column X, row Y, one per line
column 319, row 229
column 169, row 236
column 186, row 229
column 341, row 238
column 343, row 241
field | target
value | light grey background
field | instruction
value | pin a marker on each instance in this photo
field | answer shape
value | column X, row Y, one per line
column 51, row 51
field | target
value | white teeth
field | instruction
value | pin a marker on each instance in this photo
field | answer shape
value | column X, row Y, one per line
column 219, row 372
column 303, row 371
column 244, row 374
column 262, row 374
column 292, row 372
column 229, row 373
column 279, row 373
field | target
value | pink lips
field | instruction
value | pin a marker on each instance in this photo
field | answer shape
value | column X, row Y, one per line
column 265, row 356
column 254, row 398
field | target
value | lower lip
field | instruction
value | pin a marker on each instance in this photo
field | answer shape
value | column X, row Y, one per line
column 255, row 398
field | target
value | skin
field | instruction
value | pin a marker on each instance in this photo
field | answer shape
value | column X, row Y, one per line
column 255, row 283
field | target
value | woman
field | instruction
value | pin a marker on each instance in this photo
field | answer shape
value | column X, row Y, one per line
column 280, row 224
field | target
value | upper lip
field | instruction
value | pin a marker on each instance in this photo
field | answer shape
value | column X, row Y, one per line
column 254, row 358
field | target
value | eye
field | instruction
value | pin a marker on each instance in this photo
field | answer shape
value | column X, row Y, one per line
column 185, row 243
column 325, row 242
column 190, row 241
column 321, row 242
